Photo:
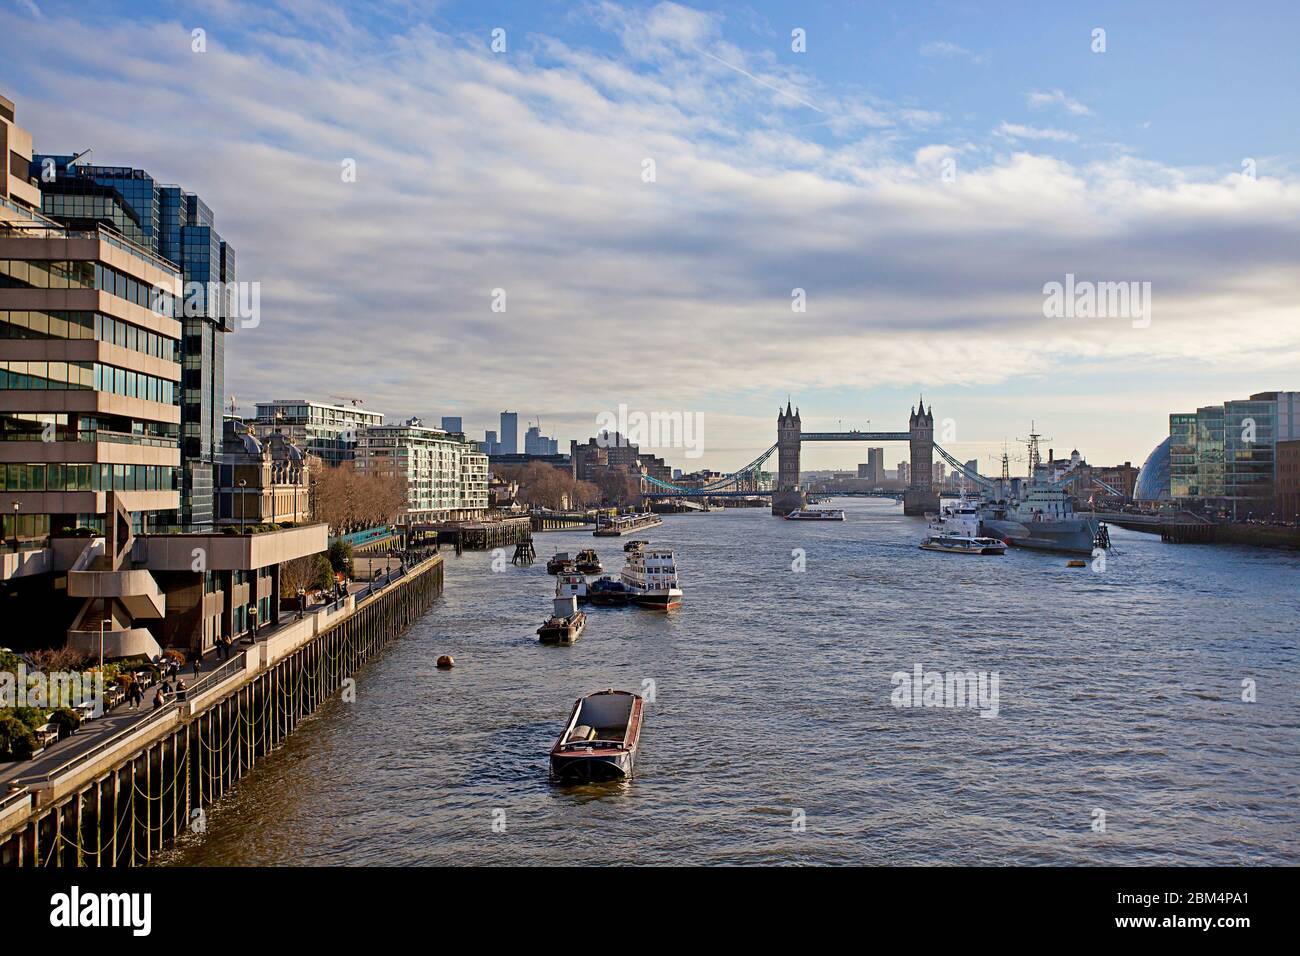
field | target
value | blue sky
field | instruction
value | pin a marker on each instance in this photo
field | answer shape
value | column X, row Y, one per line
column 821, row 170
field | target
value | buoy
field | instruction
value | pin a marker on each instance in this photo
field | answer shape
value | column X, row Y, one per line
column 446, row 662
column 1076, row 563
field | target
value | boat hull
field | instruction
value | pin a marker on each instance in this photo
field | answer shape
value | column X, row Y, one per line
column 984, row 550
column 1065, row 537
column 566, row 633
column 595, row 767
column 659, row 600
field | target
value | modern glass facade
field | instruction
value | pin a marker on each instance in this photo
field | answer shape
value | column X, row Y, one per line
column 1225, row 456
column 179, row 227
column 1153, row 479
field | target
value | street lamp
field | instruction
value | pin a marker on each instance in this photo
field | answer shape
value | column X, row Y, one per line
column 242, row 482
column 104, row 622
column 16, row 506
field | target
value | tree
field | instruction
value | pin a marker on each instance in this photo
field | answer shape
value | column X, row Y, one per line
column 340, row 557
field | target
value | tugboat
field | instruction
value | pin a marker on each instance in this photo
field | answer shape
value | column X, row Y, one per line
column 560, row 561
column 588, row 562
column 565, row 625
column 651, row 576
column 600, row 740
column 608, row 592
column 571, row 584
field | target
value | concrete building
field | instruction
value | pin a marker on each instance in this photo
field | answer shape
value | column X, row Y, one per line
column 179, row 227
column 90, row 374
column 261, row 481
column 509, row 433
column 324, row 430
column 446, row 476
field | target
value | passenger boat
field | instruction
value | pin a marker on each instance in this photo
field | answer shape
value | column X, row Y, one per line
column 607, row 592
column 600, row 740
column 571, row 584
column 651, row 576
column 560, row 561
column 588, row 562
column 565, row 625
column 633, row 545
column 815, row 514
column 962, row 544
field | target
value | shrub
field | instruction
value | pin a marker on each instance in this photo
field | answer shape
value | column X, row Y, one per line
column 66, row 720
column 16, row 739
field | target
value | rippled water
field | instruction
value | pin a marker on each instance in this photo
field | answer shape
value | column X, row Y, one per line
column 1119, row 691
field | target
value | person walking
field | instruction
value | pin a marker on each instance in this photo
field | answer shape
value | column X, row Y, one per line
column 158, row 699
column 198, row 664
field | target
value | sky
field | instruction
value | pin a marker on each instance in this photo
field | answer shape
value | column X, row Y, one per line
column 650, row 183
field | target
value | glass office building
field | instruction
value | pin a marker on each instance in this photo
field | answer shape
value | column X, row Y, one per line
column 1224, row 457
column 180, row 228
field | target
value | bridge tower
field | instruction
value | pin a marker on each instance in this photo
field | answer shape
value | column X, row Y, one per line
column 920, row 496
column 787, row 497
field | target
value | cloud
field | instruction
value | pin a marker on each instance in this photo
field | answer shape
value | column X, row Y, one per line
column 1038, row 100
column 525, row 172
column 942, row 49
column 1019, row 131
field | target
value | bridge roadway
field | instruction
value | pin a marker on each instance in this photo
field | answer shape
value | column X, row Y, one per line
column 854, row 436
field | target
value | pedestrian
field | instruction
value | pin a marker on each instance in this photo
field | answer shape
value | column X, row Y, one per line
column 180, row 688
column 198, row 664
column 158, row 699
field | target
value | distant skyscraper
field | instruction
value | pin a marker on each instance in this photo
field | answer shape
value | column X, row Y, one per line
column 452, row 423
column 490, row 445
column 509, row 433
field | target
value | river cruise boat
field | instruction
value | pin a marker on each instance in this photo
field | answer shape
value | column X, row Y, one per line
column 571, row 584
column 651, row 576
column 633, row 545
column 815, row 514
column 565, row 625
column 560, row 561
column 618, row 526
column 588, row 561
column 609, row 592
column 962, row 544
column 599, row 741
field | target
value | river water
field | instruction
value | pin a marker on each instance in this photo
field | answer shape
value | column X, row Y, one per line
column 1121, row 734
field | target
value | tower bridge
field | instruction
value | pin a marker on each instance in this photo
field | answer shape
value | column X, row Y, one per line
column 787, row 495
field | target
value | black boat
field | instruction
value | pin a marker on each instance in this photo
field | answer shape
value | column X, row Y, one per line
column 609, row 592
column 560, row 561
column 599, row 742
column 588, row 562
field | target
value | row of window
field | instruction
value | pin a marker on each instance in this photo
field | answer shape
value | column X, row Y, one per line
column 73, row 376
column 95, row 477
column 76, row 274
column 86, row 325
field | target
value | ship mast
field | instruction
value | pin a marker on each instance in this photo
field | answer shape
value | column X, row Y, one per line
column 1035, row 459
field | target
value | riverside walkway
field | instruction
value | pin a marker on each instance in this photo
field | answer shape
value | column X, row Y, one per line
column 98, row 735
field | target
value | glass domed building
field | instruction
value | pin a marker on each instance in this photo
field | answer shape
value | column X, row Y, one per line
column 1153, row 479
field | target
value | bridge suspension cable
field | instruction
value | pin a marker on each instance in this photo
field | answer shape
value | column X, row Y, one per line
column 720, row 484
column 974, row 476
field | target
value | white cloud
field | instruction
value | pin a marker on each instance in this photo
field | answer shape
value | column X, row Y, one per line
column 1019, row 131
column 1038, row 100
column 524, row 172
column 943, row 49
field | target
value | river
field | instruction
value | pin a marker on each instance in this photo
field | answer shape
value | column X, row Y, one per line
column 1121, row 735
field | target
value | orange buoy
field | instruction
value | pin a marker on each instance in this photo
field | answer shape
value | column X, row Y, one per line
column 446, row 662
